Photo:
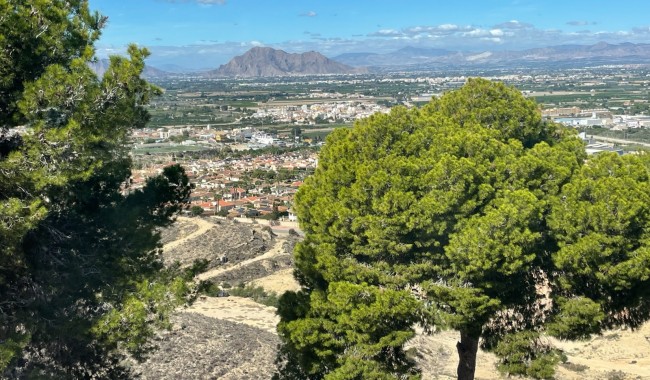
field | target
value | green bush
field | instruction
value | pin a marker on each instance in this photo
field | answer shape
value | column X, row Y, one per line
column 256, row 293
column 524, row 353
column 196, row 210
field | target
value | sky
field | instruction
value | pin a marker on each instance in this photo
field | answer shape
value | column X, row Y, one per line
column 203, row 34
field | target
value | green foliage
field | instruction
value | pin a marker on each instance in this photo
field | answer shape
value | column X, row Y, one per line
column 256, row 293
column 525, row 354
column 602, row 223
column 495, row 106
column 347, row 325
column 132, row 323
column 80, row 263
column 196, row 210
column 473, row 204
column 34, row 36
column 577, row 318
column 12, row 347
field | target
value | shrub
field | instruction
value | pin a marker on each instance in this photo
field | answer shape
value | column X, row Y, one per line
column 257, row 294
column 196, row 210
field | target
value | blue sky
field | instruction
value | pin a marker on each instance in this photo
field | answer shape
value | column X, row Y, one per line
column 207, row 33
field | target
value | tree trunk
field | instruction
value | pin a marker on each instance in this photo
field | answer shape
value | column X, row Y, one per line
column 467, row 348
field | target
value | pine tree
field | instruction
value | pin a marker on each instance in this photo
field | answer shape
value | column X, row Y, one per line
column 81, row 277
column 468, row 206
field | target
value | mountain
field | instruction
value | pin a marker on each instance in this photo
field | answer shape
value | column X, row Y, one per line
column 265, row 61
column 152, row 72
column 418, row 58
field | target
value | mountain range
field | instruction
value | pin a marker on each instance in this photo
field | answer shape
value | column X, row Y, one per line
column 268, row 62
column 439, row 58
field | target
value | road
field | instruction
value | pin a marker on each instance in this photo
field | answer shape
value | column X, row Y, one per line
column 618, row 141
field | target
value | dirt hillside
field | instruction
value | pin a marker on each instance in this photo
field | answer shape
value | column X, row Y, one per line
column 235, row 338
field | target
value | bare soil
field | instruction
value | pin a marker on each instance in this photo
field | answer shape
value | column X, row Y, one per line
column 202, row 347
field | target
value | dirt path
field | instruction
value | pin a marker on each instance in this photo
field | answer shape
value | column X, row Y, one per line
column 237, row 309
column 618, row 350
column 278, row 282
column 203, row 228
column 277, row 250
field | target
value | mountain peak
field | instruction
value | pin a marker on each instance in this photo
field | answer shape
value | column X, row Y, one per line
column 262, row 61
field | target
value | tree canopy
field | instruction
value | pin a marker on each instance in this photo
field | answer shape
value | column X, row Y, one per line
column 80, row 267
column 455, row 215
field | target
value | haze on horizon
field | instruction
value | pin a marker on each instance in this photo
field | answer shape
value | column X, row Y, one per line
column 199, row 34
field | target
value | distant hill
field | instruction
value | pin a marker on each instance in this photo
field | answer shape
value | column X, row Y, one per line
column 178, row 69
column 562, row 54
column 600, row 50
column 100, row 66
column 407, row 55
column 265, row 62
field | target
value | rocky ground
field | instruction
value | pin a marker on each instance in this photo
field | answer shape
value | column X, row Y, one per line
column 234, row 338
column 223, row 337
column 221, row 242
column 203, row 347
column 181, row 229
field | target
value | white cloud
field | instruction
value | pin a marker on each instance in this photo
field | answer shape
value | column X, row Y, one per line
column 514, row 24
column 387, row 33
column 642, row 30
column 492, row 39
column 478, row 32
column 448, row 27
column 309, row 14
column 497, row 32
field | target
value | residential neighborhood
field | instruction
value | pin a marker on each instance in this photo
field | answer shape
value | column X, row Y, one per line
column 250, row 186
column 330, row 112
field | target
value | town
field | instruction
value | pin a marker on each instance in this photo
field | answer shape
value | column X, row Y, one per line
column 247, row 186
column 247, row 145
column 250, row 161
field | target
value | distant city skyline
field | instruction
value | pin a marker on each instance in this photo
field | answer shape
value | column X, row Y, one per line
column 198, row 34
